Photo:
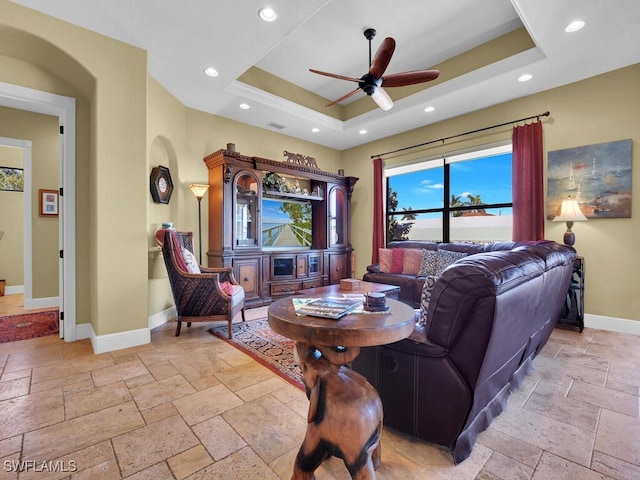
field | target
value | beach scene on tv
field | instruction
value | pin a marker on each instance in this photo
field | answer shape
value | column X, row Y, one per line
column 286, row 224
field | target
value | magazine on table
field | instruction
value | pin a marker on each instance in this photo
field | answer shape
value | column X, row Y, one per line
column 327, row 307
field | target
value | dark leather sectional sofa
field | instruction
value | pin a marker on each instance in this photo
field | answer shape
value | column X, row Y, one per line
column 489, row 315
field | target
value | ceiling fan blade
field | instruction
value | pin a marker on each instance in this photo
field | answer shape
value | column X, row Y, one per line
column 382, row 99
column 409, row 78
column 334, row 75
column 382, row 57
column 344, row 97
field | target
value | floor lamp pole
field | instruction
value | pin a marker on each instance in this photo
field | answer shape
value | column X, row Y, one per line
column 200, row 230
column 199, row 190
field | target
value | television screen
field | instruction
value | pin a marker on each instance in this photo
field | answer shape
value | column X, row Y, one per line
column 286, row 223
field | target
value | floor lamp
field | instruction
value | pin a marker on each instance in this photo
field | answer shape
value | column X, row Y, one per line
column 570, row 212
column 199, row 190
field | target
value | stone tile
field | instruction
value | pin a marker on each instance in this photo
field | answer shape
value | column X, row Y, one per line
column 514, row 448
column 624, row 371
column 547, row 399
column 10, row 445
column 81, row 386
column 243, row 464
column 89, row 401
column 189, row 461
column 60, row 439
column 552, row 466
column 200, row 406
column 605, row 398
column 614, row 467
column 261, row 388
column 162, row 370
column 618, row 340
column 31, row 412
column 268, row 426
column 395, row 465
column 146, row 446
column 160, row 412
column 104, row 471
column 118, row 372
column 167, row 390
column 244, row 376
column 439, row 464
column 6, row 376
column 155, row 472
column 162, row 354
column 203, row 383
column 502, row 466
column 62, row 381
column 233, row 356
column 619, row 436
column 552, row 435
column 32, row 358
column 14, row 388
column 201, row 364
column 140, row 380
column 218, row 437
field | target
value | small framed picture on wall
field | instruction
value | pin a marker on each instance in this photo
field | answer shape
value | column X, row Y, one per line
column 48, row 203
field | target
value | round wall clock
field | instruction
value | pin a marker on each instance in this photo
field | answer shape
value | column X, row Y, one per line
column 160, row 184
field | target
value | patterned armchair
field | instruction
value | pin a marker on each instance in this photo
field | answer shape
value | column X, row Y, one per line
column 208, row 296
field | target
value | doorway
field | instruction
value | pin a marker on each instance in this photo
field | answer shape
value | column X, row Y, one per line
column 63, row 108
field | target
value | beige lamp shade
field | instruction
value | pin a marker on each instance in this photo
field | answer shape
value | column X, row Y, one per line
column 199, row 189
column 570, row 212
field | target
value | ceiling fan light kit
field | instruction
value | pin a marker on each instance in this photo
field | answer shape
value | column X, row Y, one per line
column 372, row 82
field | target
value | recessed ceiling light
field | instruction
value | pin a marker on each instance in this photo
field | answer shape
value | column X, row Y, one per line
column 211, row 72
column 574, row 26
column 429, row 109
column 315, row 129
column 244, row 106
column 525, row 77
column 267, row 14
column 362, row 132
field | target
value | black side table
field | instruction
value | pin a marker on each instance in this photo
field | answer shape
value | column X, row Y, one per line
column 573, row 312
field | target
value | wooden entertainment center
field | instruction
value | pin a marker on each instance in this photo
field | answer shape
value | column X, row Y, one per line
column 281, row 226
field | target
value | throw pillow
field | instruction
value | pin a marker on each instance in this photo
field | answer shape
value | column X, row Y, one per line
column 446, row 258
column 391, row 260
column 428, row 263
column 412, row 261
column 190, row 260
column 397, row 260
column 227, row 288
column 425, row 298
column 385, row 256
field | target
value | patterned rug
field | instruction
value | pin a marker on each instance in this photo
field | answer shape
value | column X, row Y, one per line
column 272, row 350
column 28, row 325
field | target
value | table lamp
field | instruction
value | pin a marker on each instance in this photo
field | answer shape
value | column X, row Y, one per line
column 570, row 212
column 199, row 190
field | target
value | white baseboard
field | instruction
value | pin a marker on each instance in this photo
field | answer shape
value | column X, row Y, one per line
column 12, row 290
column 161, row 318
column 612, row 324
column 120, row 340
column 31, row 303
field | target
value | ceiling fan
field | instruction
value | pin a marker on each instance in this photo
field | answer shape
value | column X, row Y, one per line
column 372, row 82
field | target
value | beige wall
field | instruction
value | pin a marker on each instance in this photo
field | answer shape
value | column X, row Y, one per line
column 11, row 221
column 112, row 78
column 42, row 131
column 600, row 109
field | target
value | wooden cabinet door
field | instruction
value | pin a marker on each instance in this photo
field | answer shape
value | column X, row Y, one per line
column 247, row 273
column 337, row 267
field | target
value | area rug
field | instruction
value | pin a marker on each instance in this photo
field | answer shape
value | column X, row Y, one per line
column 256, row 339
column 28, row 325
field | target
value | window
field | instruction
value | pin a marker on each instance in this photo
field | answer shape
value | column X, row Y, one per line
column 462, row 197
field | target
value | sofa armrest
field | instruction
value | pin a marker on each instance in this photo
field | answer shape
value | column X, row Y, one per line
column 373, row 268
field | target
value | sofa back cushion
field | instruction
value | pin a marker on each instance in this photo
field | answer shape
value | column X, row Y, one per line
column 391, row 260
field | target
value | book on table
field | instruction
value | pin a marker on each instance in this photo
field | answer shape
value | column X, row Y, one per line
column 327, row 307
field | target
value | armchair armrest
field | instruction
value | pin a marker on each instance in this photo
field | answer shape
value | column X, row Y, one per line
column 225, row 273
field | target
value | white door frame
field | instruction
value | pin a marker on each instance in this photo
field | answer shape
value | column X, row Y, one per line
column 22, row 98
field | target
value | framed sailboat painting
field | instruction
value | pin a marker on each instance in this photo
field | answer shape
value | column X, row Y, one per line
column 598, row 176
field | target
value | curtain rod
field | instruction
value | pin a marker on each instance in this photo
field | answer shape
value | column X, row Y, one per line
column 537, row 117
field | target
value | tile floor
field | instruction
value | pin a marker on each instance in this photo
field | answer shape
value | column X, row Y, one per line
column 194, row 407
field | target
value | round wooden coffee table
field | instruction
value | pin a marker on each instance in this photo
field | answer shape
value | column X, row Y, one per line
column 345, row 411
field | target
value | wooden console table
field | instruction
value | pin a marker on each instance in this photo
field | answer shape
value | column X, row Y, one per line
column 345, row 411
